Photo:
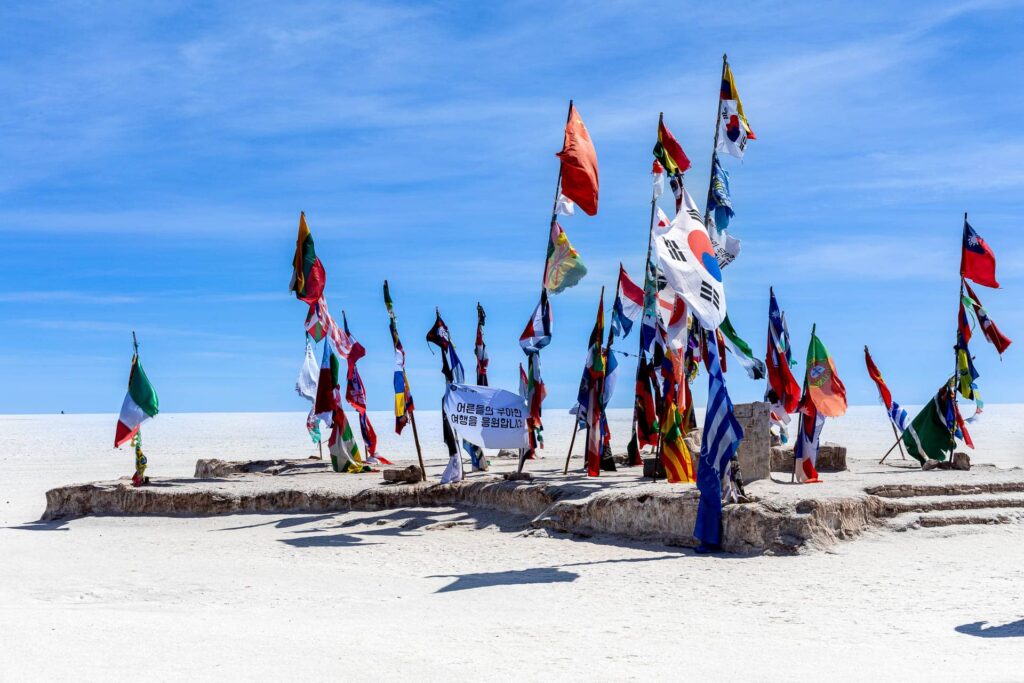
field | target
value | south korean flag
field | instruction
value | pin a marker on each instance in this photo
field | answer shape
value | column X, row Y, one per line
column 688, row 260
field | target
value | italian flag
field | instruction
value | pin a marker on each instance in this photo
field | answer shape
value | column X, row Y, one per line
column 140, row 404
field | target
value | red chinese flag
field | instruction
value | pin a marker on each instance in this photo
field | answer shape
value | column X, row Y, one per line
column 876, row 375
column 579, row 164
column 977, row 262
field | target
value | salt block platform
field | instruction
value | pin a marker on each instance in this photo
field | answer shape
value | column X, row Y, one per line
column 780, row 517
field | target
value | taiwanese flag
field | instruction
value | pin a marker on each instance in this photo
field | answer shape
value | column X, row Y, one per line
column 977, row 262
column 579, row 164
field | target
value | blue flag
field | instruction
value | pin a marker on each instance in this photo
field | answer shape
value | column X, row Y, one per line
column 721, row 438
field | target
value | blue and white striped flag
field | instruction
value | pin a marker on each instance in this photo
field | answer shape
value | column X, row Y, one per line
column 721, row 438
column 898, row 416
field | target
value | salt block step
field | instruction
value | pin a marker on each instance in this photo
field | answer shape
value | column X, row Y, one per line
column 954, row 489
column 943, row 518
column 934, row 503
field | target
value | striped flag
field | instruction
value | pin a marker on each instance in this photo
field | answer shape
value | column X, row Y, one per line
column 629, row 304
column 140, row 404
column 403, row 397
column 675, row 456
column 537, row 333
column 721, row 438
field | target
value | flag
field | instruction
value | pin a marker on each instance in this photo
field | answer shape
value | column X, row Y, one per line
column 563, row 267
column 313, row 426
column 403, row 397
column 579, row 164
column 537, row 334
column 646, row 424
column 629, row 304
column 487, row 417
column 650, row 320
column 535, row 394
column 481, row 349
column 688, row 259
column 876, row 376
column 611, row 377
column 676, row 183
column 314, row 325
column 342, row 445
column 591, row 388
column 140, row 404
column 328, row 386
column 451, row 366
column 305, row 384
column 675, row 456
column 783, row 388
column 824, row 388
column 355, row 394
column 308, row 276
column 805, row 452
column 676, row 328
column 668, row 152
column 744, row 354
column 564, row 206
column 721, row 438
column 734, row 130
column 657, row 179
column 930, row 434
column 988, row 327
column 977, row 261
column 661, row 221
column 717, row 214
column 897, row 415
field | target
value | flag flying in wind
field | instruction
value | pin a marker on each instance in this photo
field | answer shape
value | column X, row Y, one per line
column 675, row 456
column 669, row 152
column 403, row 397
column 744, row 354
column 563, row 267
column 451, row 366
column 734, row 130
column 688, row 259
column 897, row 415
column 579, row 164
column 783, row 389
column 721, row 438
column 977, row 260
column 629, row 304
column 480, row 350
column 308, row 276
column 930, row 434
column 824, row 387
column 805, row 452
column 718, row 213
column 140, row 404
column 537, row 333
column 342, row 445
column 988, row 327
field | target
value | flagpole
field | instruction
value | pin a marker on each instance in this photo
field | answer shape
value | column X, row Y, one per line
column 718, row 130
column 899, row 440
column 800, row 424
column 647, row 277
column 405, row 380
column 572, row 442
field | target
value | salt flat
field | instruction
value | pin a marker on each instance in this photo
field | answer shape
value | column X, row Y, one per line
column 443, row 593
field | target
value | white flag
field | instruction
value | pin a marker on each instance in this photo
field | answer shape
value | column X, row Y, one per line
column 305, row 385
column 486, row 416
column 564, row 206
column 690, row 264
column 732, row 133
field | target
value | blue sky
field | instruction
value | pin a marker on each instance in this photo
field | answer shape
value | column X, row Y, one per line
column 154, row 158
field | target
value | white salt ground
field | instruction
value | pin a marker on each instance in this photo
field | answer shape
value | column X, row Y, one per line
column 432, row 594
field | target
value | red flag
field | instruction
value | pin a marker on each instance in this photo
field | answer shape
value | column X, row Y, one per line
column 988, row 327
column 876, row 375
column 579, row 164
column 977, row 262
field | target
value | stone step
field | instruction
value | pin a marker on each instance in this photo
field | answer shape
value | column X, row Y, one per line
column 897, row 506
column 943, row 518
column 956, row 489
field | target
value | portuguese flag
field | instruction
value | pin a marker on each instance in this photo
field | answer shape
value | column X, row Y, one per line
column 824, row 387
column 308, row 276
column 140, row 404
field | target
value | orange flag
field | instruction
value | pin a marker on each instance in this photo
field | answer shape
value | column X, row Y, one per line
column 579, row 164
column 825, row 388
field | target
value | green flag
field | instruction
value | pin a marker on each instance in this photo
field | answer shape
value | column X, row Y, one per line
column 929, row 435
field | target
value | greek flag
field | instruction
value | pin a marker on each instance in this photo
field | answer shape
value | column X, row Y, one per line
column 898, row 416
column 722, row 435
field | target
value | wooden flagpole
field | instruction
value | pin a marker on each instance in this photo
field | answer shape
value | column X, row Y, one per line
column 572, row 442
column 800, row 424
column 718, row 129
column 405, row 380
